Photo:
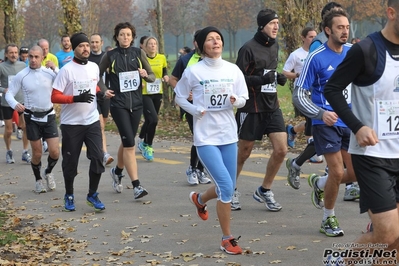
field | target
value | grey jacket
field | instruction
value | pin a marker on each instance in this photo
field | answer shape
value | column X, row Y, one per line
column 10, row 69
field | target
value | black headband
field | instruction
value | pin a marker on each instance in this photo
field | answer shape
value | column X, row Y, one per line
column 264, row 20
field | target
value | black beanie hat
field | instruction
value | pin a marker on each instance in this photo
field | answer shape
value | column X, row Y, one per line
column 202, row 36
column 264, row 17
column 78, row 38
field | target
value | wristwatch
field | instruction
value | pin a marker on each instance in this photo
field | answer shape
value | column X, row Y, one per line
column 297, row 75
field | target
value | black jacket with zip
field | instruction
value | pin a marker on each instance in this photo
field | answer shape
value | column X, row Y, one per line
column 121, row 60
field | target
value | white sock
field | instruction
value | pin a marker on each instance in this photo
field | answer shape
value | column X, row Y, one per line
column 297, row 167
column 328, row 212
column 321, row 182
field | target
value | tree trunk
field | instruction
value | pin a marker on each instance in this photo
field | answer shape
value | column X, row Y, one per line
column 161, row 43
column 10, row 21
column 230, row 48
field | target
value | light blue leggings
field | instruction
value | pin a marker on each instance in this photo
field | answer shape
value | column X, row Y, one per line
column 221, row 163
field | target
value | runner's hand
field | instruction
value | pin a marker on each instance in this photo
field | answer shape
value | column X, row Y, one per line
column 269, row 77
column 85, row 97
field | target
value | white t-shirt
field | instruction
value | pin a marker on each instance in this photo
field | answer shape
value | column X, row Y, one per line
column 36, row 86
column 212, row 82
column 295, row 61
column 73, row 79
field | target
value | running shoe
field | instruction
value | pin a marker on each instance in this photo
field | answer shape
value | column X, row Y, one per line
column 201, row 209
column 69, row 203
column 192, row 178
column 19, row 133
column 235, row 201
column 148, row 153
column 45, row 146
column 140, row 145
column 202, row 178
column 267, row 198
column 9, row 157
column 316, row 159
column 26, row 157
column 352, row 193
column 39, row 187
column 94, row 201
column 293, row 176
column 139, row 192
column 107, row 159
column 230, row 246
column 330, row 227
column 49, row 179
column 317, row 195
column 116, row 180
column 290, row 136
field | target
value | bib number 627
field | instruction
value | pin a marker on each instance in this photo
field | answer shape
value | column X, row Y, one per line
column 218, row 99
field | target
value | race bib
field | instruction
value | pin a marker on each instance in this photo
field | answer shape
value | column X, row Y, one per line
column 155, row 87
column 347, row 94
column 388, row 119
column 217, row 96
column 269, row 88
column 129, row 81
column 84, row 86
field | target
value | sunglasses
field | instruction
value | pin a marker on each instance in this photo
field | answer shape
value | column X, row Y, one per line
column 24, row 50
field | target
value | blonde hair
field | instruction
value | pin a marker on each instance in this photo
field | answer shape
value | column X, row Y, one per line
column 145, row 43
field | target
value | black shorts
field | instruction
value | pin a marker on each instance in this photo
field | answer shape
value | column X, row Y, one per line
column 103, row 108
column 7, row 112
column 36, row 130
column 252, row 126
column 330, row 139
column 378, row 182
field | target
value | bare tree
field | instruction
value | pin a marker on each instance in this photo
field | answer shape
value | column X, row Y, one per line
column 231, row 15
column 40, row 25
column 181, row 17
column 113, row 12
column 90, row 12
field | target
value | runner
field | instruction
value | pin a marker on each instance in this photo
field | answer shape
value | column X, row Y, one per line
column 261, row 114
column 8, row 70
column 371, row 66
column 126, row 100
column 75, row 87
column 96, row 53
column 39, row 115
column 217, row 86
column 152, row 97
column 331, row 135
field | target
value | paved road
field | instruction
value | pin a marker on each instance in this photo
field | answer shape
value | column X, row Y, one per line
column 163, row 229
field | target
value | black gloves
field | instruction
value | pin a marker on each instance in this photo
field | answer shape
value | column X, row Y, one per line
column 269, row 77
column 100, row 97
column 281, row 79
column 85, row 97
